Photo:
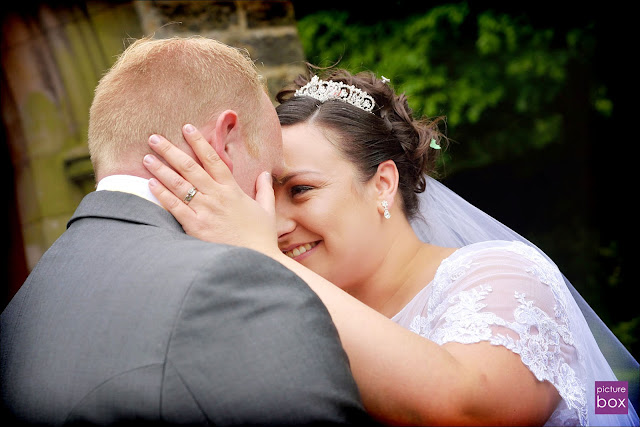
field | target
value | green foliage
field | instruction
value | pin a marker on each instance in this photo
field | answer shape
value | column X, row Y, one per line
column 628, row 331
column 490, row 70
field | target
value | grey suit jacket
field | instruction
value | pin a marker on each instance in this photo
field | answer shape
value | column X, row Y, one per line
column 126, row 318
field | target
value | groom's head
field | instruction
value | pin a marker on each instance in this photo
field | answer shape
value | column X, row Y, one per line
column 157, row 86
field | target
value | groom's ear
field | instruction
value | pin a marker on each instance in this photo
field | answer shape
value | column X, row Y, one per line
column 386, row 181
column 226, row 136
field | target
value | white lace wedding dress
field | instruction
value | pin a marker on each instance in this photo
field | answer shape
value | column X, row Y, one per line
column 507, row 293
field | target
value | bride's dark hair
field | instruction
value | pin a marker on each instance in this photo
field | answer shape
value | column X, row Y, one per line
column 367, row 139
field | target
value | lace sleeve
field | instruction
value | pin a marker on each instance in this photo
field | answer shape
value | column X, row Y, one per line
column 512, row 297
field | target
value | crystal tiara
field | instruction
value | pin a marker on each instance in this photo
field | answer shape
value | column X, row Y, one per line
column 325, row 90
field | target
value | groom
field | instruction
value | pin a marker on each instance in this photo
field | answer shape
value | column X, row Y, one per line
column 127, row 319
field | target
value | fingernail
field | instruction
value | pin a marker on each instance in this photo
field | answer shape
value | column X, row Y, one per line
column 148, row 159
column 153, row 182
column 189, row 128
column 154, row 139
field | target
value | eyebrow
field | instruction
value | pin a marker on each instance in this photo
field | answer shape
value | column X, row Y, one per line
column 282, row 180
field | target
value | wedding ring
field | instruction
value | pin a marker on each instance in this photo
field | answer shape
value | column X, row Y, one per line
column 192, row 192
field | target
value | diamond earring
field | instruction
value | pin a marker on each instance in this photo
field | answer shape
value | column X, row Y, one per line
column 385, row 205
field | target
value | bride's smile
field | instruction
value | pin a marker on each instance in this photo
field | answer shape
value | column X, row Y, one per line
column 296, row 251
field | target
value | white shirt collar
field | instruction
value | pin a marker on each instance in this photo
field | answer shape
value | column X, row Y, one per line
column 128, row 184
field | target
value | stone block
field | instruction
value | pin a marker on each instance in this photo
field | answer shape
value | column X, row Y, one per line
column 194, row 17
column 260, row 14
column 271, row 49
column 280, row 77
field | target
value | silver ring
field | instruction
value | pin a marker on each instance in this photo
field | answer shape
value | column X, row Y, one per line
column 192, row 192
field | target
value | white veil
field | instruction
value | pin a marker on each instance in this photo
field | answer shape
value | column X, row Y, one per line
column 449, row 220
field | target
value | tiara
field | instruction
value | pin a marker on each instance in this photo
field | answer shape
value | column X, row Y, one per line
column 325, row 90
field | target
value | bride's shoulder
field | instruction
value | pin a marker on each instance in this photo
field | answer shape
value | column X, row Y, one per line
column 498, row 255
column 483, row 264
column 499, row 248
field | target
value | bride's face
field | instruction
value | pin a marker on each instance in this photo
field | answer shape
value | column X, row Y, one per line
column 326, row 217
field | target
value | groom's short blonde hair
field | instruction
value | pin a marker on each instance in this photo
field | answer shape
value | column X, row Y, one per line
column 157, row 86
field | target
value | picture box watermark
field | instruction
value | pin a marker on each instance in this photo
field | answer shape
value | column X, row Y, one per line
column 612, row 397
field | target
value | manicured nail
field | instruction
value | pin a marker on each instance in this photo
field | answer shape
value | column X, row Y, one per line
column 148, row 159
column 189, row 128
column 154, row 139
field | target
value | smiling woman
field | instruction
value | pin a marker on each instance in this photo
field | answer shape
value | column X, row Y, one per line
column 489, row 327
column 319, row 204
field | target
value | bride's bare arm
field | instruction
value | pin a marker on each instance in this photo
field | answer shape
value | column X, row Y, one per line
column 403, row 378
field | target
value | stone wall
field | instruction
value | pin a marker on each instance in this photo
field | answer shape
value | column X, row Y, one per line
column 52, row 59
column 266, row 29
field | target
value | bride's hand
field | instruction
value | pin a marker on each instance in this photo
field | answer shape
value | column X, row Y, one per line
column 219, row 211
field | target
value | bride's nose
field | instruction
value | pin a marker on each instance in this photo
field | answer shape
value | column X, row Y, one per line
column 284, row 224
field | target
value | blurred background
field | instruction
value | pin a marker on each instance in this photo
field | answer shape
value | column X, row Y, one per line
column 537, row 101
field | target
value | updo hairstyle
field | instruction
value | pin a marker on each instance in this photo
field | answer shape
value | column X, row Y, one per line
column 367, row 139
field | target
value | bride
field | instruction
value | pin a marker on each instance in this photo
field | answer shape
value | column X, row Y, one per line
column 448, row 317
